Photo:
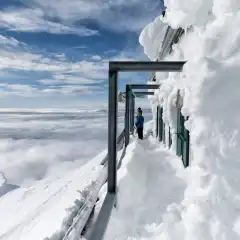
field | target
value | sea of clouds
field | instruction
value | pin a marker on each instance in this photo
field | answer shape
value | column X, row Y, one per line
column 36, row 144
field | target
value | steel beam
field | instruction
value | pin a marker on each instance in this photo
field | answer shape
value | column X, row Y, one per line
column 146, row 66
column 143, row 93
column 145, row 86
column 112, row 131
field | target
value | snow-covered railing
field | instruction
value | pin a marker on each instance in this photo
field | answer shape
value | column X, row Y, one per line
column 83, row 216
column 120, row 141
column 80, row 221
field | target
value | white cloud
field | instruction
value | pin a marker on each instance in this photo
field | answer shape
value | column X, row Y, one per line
column 61, row 56
column 13, row 57
column 80, row 47
column 69, row 79
column 96, row 57
column 44, row 141
column 29, row 91
column 33, row 144
column 110, row 51
column 52, row 71
column 9, row 41
column 19, row 58
column 33, row 20
column 119, row 15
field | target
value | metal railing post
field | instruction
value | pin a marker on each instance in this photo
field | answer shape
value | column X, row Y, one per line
column 131, row 109
column 160, row 124
column 157, row 121
column 186, row 146
column 169, row 138
column 127, row 116
column 133, row 114
column 163, row 132
column 112, row 132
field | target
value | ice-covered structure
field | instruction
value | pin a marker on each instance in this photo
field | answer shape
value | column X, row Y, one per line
column 209, row 89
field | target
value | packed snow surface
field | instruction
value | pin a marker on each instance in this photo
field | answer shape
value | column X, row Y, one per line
column 148, row 182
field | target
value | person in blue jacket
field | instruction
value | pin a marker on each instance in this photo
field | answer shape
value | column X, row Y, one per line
column 139, row 124
column 163, row 8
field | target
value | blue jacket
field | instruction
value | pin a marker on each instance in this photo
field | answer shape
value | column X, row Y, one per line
column 139, row 121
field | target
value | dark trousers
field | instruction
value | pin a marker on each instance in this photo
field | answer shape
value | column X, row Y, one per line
column 140, row 133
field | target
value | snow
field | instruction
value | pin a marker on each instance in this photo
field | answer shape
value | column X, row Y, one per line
column 152, row 37
column 209, row 86
column 46, row 169
column 147, row 184
column 2, row 180
column 38, row 211
column 157, row 198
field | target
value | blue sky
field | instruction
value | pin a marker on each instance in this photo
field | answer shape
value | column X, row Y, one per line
column 55, row 53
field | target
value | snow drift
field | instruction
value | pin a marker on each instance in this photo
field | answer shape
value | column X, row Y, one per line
column 153, row 36
column 209, row 85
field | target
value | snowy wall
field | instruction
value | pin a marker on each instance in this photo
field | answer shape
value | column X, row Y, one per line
column 210, row 87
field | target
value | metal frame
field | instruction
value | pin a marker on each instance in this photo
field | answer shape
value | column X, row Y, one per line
column 146, row 66
column 164, row 133
column 183, row 137
column 112, row 130
column 169, row 138
column 114, row 67
column 138, row 94
column 131, row 109
column 144, row 86
column 157, row 125
column 131, row 98
column 126, row 128
column 161, row 128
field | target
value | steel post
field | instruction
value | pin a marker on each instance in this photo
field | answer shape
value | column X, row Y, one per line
column 157, row 121
column 112, row 131
column 131, row 113
column 127, row 116
column 160, row 127
column 169, row 138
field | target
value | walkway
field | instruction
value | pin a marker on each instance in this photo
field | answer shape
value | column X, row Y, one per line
column 147, row 185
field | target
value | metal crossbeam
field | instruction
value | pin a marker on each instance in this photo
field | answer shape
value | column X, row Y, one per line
column 145, row 86
column 143, row 93
column 146, row 66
